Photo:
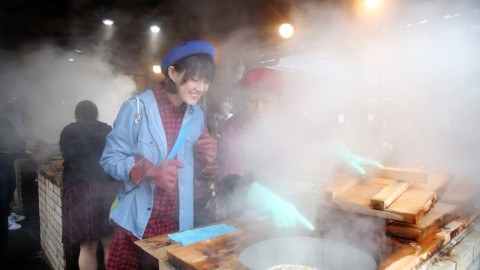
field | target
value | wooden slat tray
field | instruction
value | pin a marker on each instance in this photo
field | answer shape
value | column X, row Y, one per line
column 378, row 196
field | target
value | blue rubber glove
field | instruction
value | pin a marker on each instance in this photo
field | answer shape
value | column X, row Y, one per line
column 353, row 161
column 284, row 214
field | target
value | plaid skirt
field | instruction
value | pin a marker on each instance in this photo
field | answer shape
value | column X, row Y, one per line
column 124, row 254
column 86, row 209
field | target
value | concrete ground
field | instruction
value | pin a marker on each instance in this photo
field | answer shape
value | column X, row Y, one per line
column 24, row 251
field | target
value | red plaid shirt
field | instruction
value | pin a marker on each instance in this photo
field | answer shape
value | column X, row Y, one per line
column 164, row 218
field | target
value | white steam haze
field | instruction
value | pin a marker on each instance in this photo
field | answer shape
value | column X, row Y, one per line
column 403, row 89
column 49, row 82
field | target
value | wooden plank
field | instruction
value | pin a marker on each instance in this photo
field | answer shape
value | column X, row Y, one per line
column 360, row 194
column 380, row 181
column 157, row 247
column 432, row 221
column 387, row 195
column 399, row 174
column 413, row 204
column 219, row 251
column 340, row 186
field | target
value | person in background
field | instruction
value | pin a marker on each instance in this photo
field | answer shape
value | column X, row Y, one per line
column 12, row 145
column 3, row 216
column 158, row 138
column 262, row 91
column 224, row 113
column 222, row 94
column 88, row 192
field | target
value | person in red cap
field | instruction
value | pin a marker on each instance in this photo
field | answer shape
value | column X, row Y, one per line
column 158, row 139
column 262, row 91
column 243, row 164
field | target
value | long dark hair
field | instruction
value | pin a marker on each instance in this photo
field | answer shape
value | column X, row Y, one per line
column 201, row 65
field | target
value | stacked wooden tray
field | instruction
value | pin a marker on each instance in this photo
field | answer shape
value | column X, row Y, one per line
column 407, row 199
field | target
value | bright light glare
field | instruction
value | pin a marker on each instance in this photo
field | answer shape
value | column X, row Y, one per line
column 286, row 30
column 156, row 69
column 372, row 4
column 154, row 29
column 108, row 22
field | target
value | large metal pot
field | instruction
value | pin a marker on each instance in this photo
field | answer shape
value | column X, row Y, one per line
column 322, row 254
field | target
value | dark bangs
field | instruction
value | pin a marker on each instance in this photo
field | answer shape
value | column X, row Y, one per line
column 200, row 65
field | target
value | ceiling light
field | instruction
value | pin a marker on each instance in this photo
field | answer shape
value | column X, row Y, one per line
column 286, row 30
column 372, row 4
column 108, row 22
column 156, row 69
column 154, row 28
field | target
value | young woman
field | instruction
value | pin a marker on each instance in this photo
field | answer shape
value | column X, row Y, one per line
column 88, row 192
column 158, row 138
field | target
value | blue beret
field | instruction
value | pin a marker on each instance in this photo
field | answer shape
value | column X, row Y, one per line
column 183, row 50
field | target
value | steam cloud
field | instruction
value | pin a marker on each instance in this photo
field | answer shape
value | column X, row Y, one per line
column 46, row 84
column 401, row 88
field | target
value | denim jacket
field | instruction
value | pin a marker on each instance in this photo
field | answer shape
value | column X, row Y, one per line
column 138, row 131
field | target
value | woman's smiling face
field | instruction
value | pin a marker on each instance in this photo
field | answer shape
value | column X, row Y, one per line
column 189, row 91
column 192, row 90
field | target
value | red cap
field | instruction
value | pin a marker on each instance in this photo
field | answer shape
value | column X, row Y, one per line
column 263, row 79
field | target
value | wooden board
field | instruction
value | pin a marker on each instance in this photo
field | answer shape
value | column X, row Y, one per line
column 409, row 207
column 219, row 251
column 432, row 221
column 389, row 194
column 340, row 186
column 413, row 204
column 399, row 174
column 157, row 247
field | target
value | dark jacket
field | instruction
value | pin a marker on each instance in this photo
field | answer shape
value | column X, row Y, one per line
column 81, row 144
